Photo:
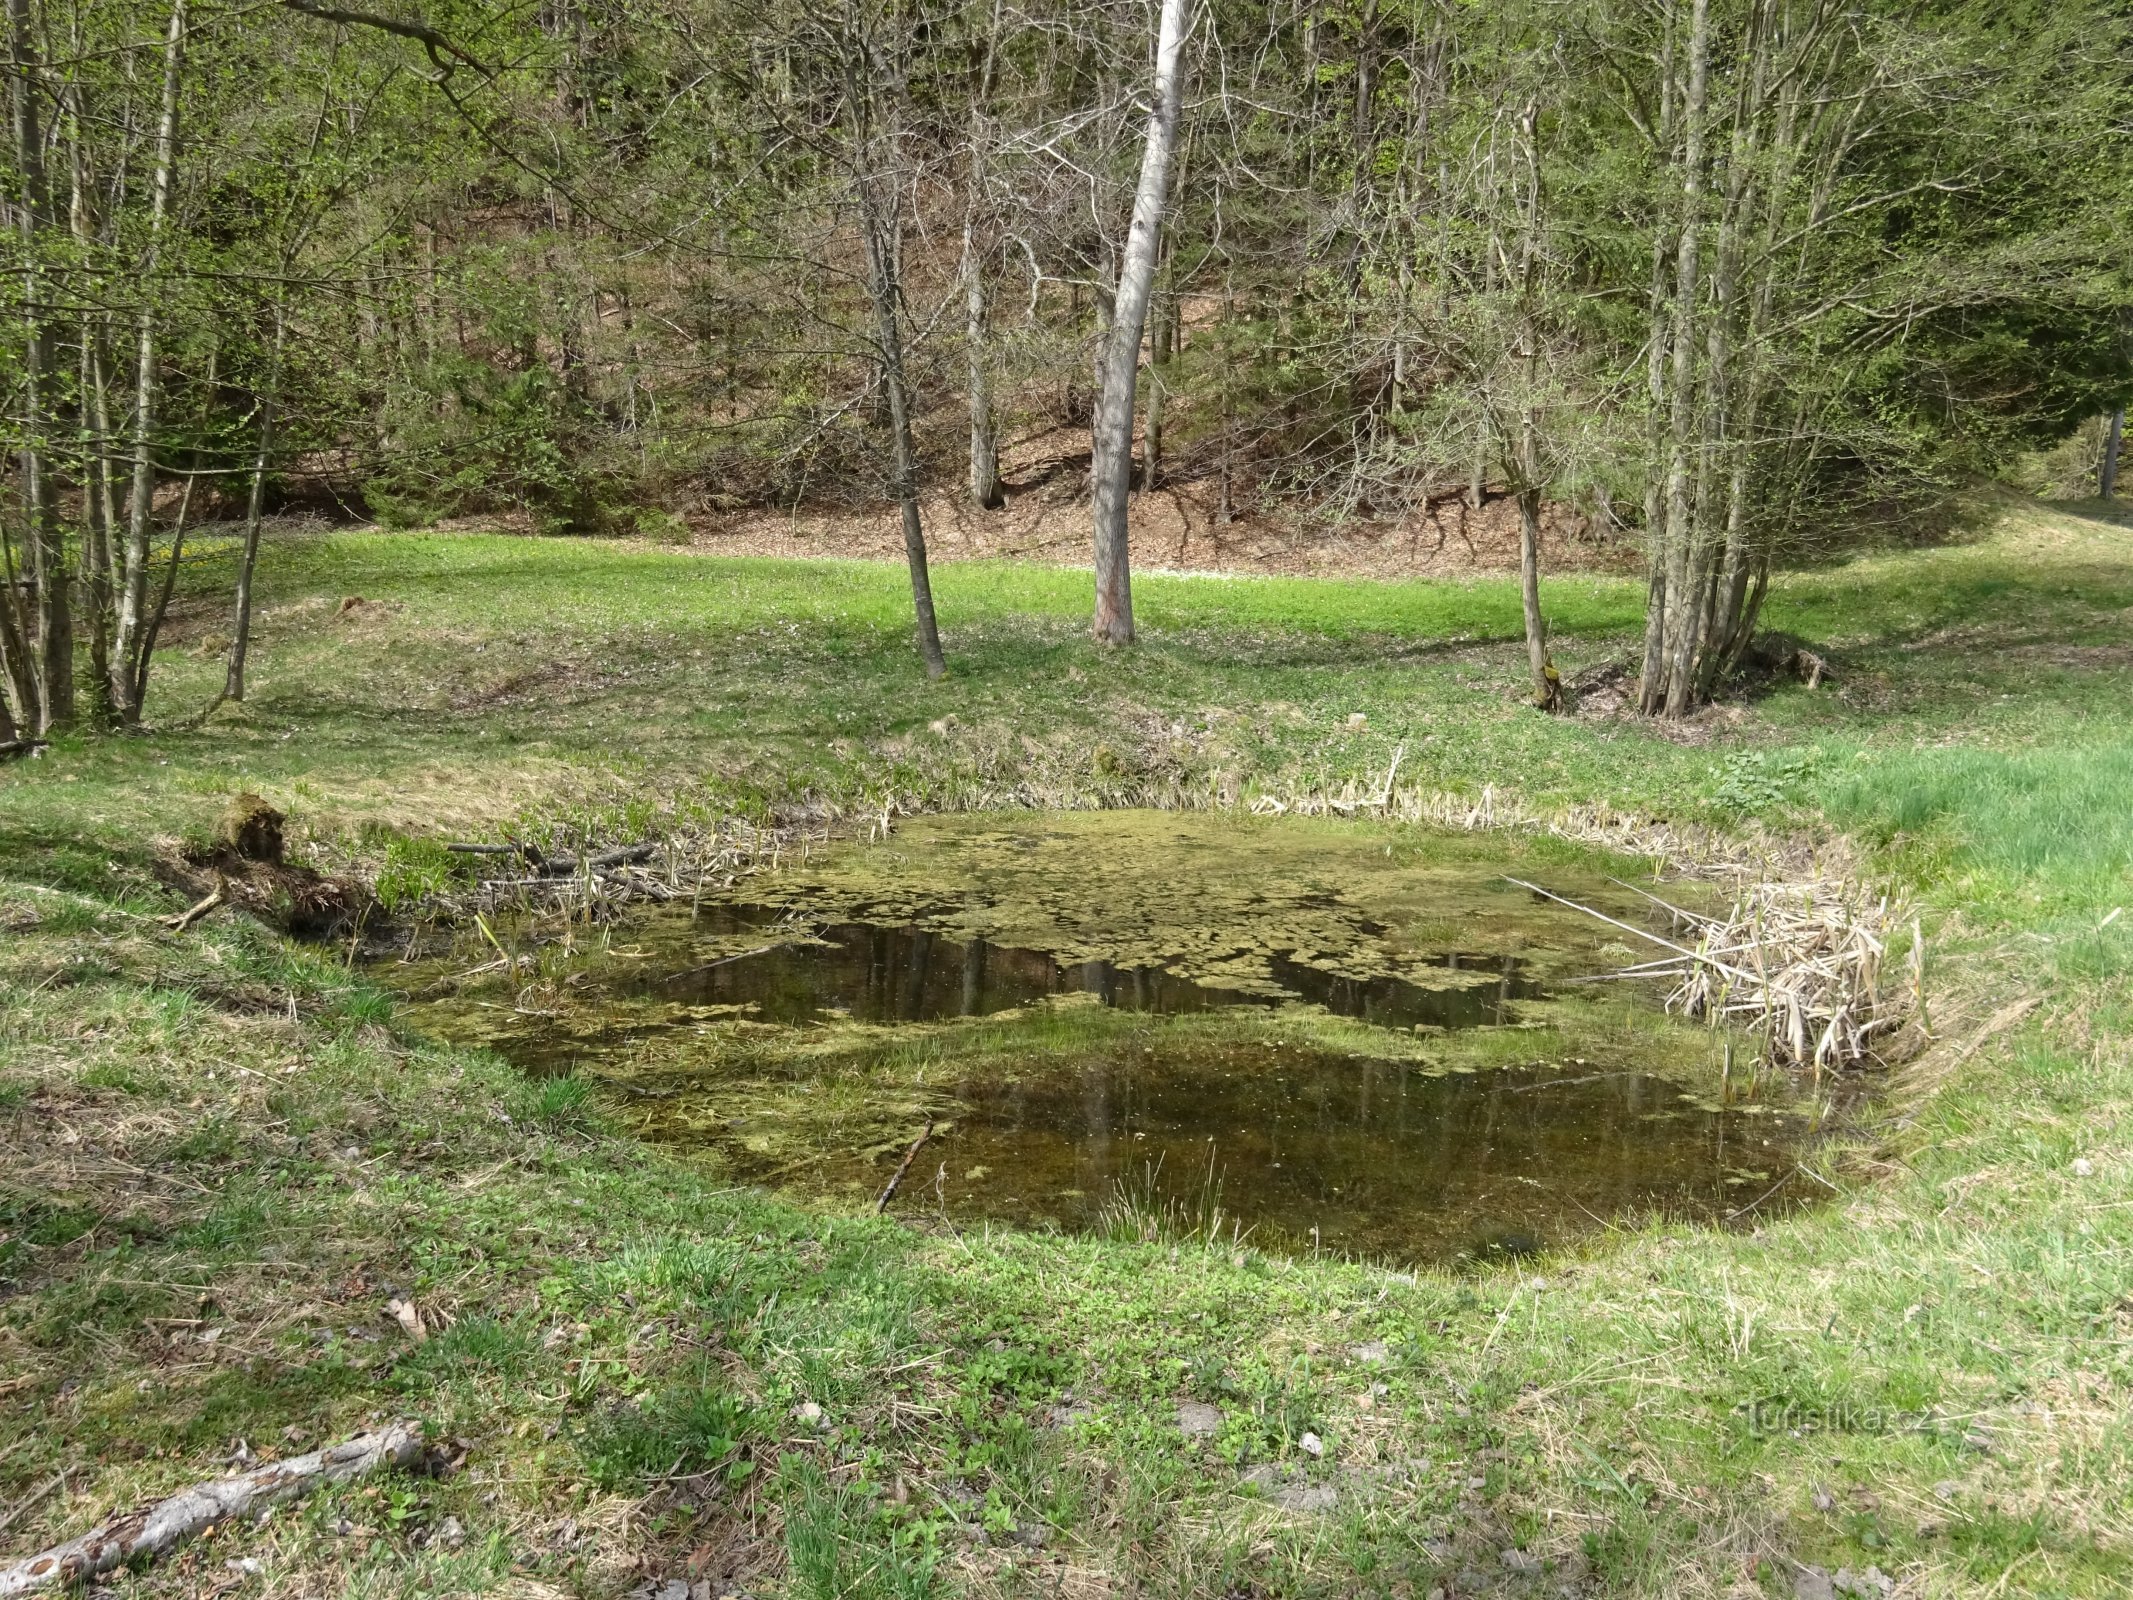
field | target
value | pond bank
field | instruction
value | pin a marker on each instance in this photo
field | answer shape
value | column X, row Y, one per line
column 225, row 1157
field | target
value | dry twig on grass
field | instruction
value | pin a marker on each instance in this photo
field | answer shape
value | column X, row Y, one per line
column 150, row 1532
column 194, row 912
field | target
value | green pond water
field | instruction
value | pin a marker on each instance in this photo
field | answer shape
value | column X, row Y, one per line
column 1310, row 1035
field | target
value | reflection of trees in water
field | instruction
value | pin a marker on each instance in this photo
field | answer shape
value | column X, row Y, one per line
column 881, row 973
column 1377, row 1155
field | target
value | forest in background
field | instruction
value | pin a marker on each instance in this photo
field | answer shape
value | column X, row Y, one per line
column 1743, row 281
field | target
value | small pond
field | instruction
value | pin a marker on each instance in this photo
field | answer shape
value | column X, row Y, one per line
column 1303, row 1034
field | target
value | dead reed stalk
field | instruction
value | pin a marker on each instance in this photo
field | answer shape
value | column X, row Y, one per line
column 1803, row 964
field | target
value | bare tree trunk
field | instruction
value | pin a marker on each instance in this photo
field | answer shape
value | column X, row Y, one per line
column 169, row 587
column 985, row 491
column 1111, row 468
column 1491, row 248
column 255, row 500
column 1165, row 327
column 881, row 228
column 1650, row 681
column 1161, row 337
column 1718, row 564
column 1684, row 604
column 126, row 664
column 2107, row 475
column 1225, row 503
column 45, row 552
column 93, row 430
column 904, row 459
column 1547, row 682
column 1734, row 618
column 17, row 661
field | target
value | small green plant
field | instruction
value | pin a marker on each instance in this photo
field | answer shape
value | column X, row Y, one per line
column 1141, row 1209
column 474, row 1344
column 839, row 1546
column 1761, row 780
column 557, row 1104
column 123, row 1076
column 414, row 870
column 691, row 1425
column 364, row 1003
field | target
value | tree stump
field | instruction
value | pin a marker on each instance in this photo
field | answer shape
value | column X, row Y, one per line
column 252, row 830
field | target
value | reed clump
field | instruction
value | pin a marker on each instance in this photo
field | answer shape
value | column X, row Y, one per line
column 1804, row 964
column 1810, row 966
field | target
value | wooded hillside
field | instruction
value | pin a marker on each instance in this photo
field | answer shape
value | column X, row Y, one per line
column 1737, row 281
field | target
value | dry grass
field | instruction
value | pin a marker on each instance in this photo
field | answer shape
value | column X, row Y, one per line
column 1806, row 964
column 1803, row 964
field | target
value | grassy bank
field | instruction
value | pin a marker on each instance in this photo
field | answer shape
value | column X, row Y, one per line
column 225, row 1154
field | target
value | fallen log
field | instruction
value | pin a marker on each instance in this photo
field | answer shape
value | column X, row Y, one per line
column 547, row 867
column 151, row 1531
column 606, row 858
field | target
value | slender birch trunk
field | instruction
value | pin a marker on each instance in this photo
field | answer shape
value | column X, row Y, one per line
column 1681, row 601
column 92, row 432
column 127, row 663
column 50, row 648
column 2107, row 474
column 1111, row 455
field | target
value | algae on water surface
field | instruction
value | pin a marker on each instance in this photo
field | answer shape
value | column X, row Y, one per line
column 1336, row 1034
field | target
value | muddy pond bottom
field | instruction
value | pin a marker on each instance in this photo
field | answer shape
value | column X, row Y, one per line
column 1295, row 1149
column 1358, row 1040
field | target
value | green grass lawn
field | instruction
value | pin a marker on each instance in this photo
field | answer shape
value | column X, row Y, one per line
column 218, row 1133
